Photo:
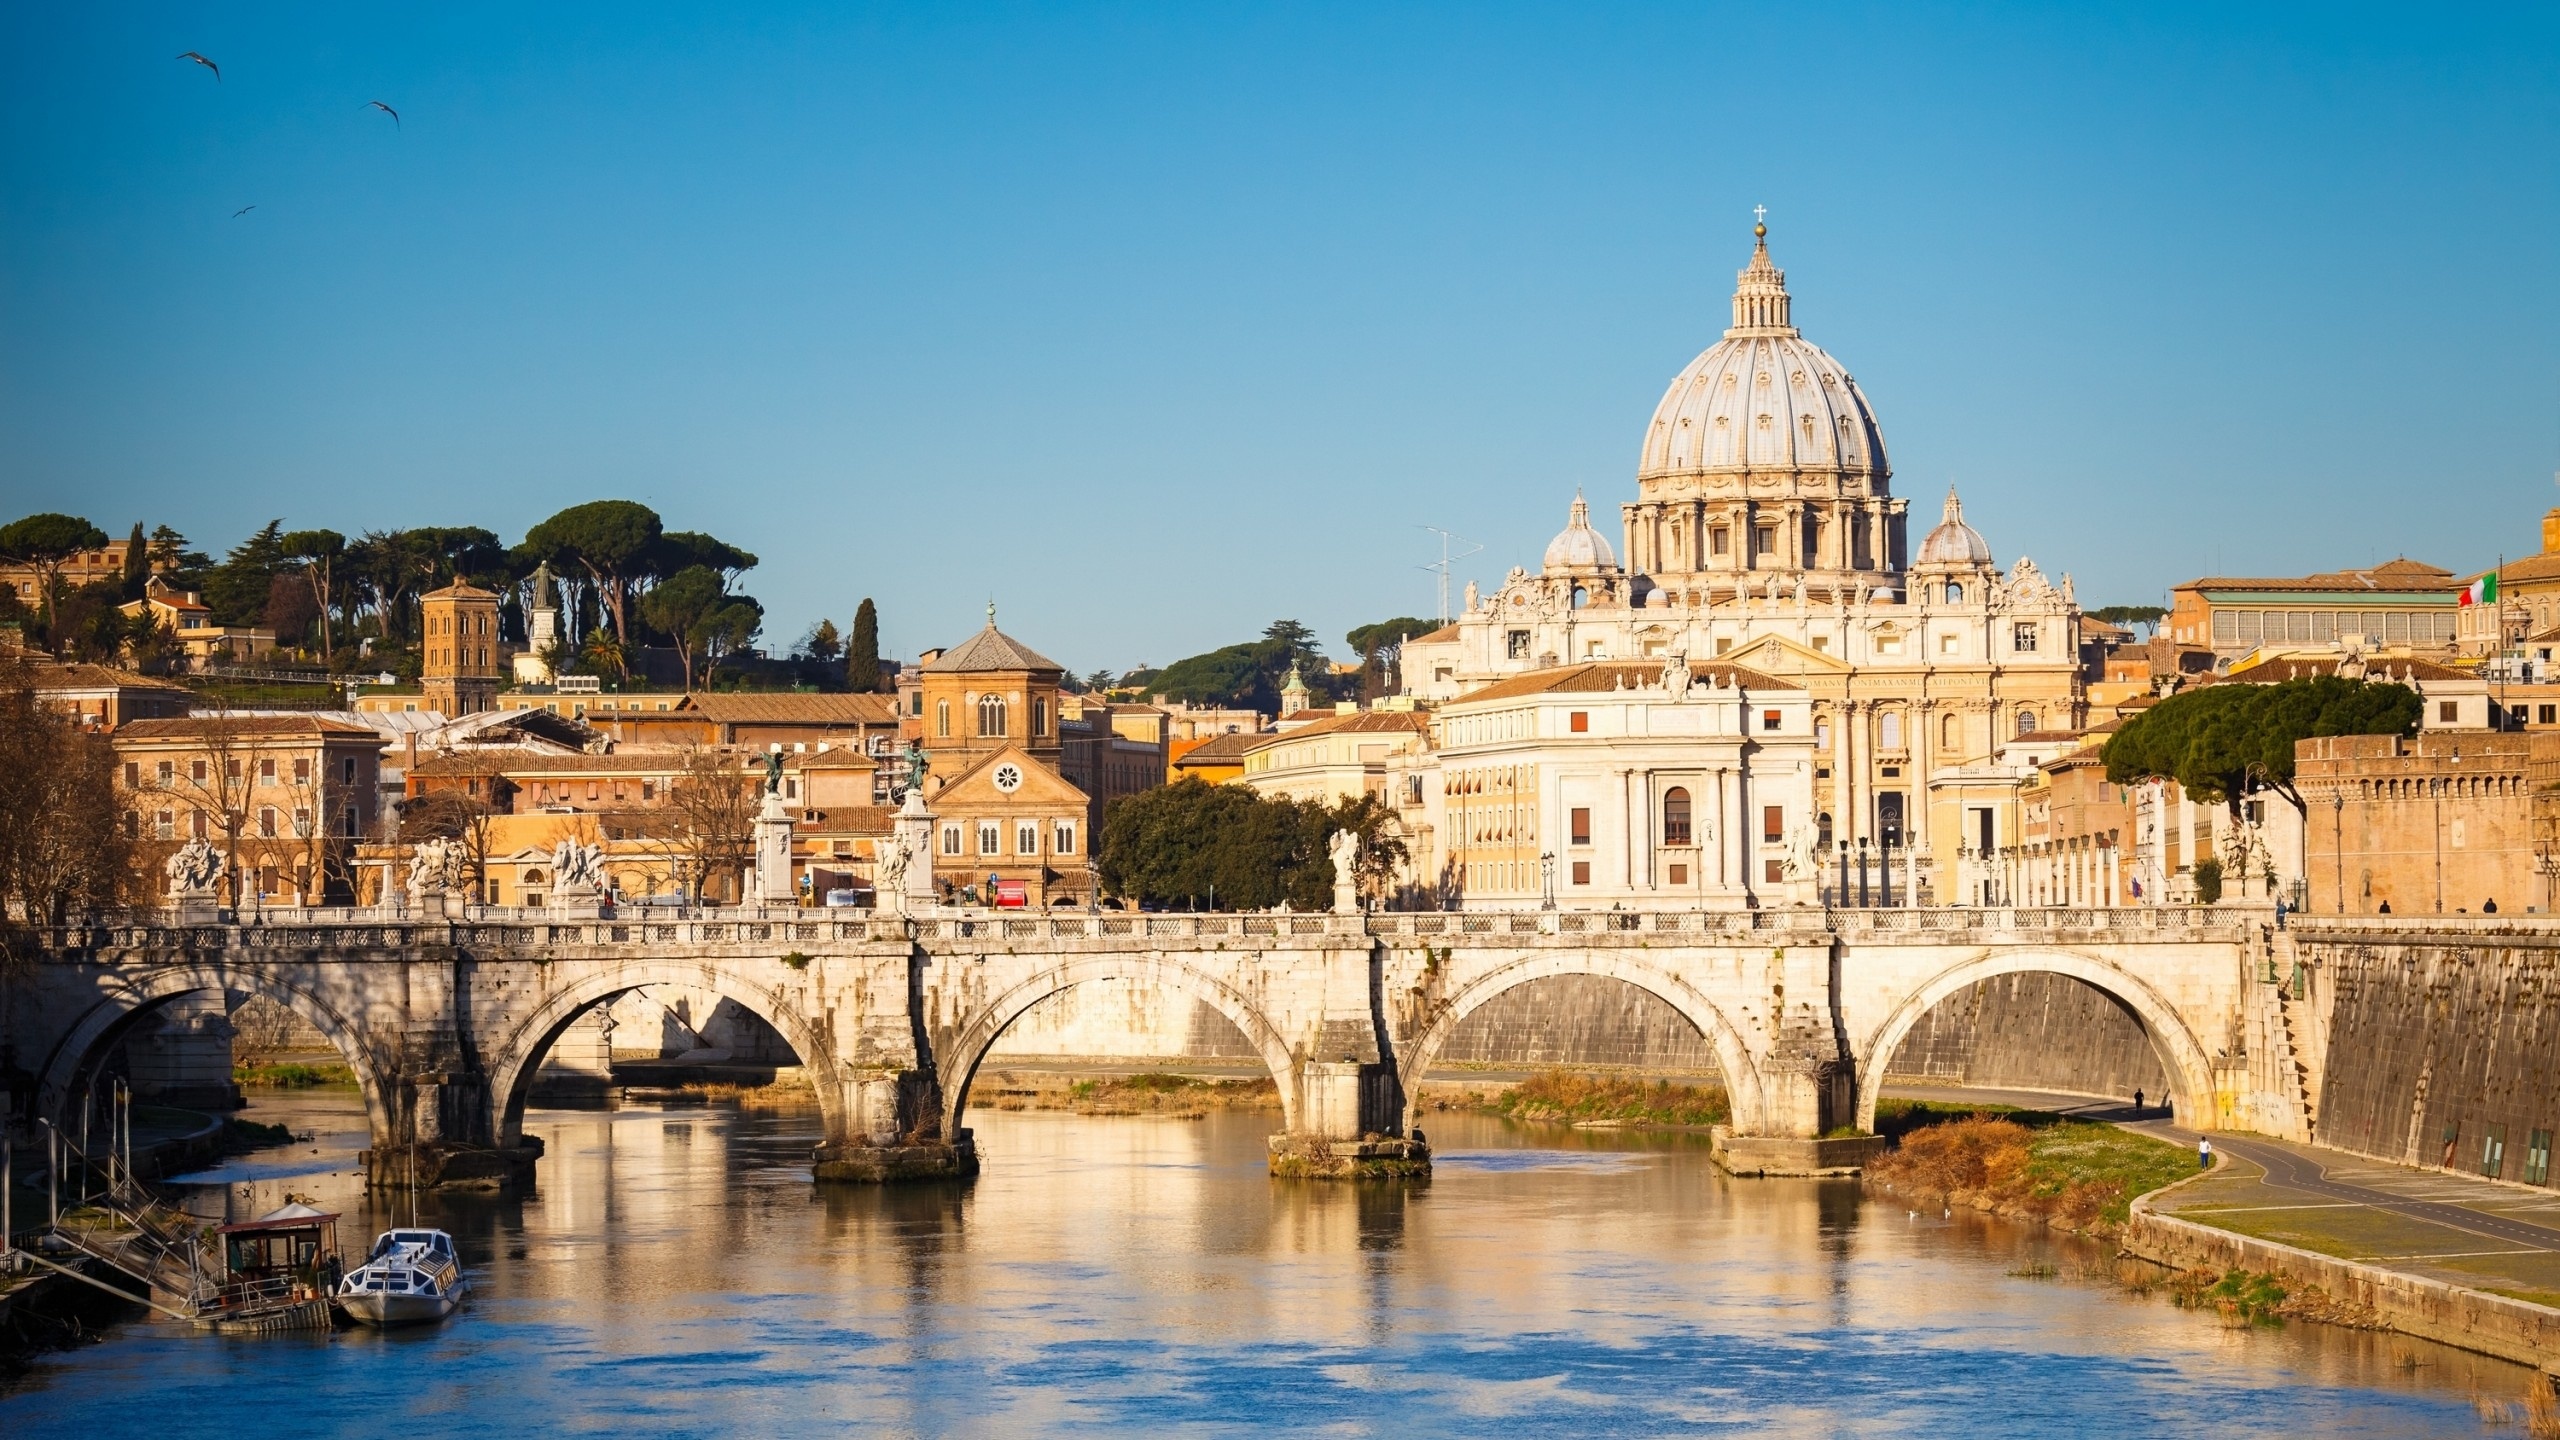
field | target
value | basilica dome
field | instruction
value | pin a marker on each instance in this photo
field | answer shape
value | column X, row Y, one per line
column 1764, row 398
column 1578, row 546
column 1953, row 542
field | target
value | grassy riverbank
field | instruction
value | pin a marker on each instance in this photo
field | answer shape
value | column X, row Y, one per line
column 2071, row 1175
column 1565, row 1097
column 1179, row 1097
column 294, row 1076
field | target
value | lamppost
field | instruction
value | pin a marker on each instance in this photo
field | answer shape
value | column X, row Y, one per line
column 1547, row 880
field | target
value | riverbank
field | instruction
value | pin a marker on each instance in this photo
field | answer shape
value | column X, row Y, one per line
column 2026, row 1165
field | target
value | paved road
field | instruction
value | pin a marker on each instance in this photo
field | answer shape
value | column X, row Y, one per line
column 2295, row 1170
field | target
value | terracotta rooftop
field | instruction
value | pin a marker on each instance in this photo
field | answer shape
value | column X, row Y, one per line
column 790, row 708
column 2400, row 576
column 82, row 676
column 1604, row 676
column 991, row 649
column 1223, row 749
column 2289, row 667
column 196, row 727
column 1358, row 722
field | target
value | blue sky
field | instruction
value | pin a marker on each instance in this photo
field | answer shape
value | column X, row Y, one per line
column 1155, row 323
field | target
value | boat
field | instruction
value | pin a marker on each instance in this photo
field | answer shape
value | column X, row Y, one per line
column 412, row 1277
column 277, row 1273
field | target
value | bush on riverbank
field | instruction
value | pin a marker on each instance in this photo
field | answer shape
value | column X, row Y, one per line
column 1181, row 1097
column 1562, row 1095
column 2070, row 1174
column 295, row 1076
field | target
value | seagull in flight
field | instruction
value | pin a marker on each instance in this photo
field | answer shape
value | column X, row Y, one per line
column 243, row 210
column 385, row 109
column 209, row 65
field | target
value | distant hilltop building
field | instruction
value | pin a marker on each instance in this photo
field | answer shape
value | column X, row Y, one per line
column 1919, row 686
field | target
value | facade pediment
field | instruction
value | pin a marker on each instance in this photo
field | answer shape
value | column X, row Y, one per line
column 979, row 785
column 1778, row 655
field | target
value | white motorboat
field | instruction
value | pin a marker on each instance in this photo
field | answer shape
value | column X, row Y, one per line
column 411, row 1278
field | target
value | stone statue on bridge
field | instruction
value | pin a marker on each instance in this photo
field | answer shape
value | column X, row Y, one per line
column 435, row 867
column 193, row 870
column 1804, row 857
column 890, row 858
column 577, row 870
column 1676, row 677
column 1345, row 850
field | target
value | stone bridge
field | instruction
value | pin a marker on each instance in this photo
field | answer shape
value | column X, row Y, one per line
column 445, row 1022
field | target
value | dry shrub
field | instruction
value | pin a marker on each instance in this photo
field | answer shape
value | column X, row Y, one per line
column 1973, row 1156
column 1567, row 1095
column 2542, row 1408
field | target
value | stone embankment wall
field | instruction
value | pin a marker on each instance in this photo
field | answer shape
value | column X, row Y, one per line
column 2442, row 1048
column 2031, row 1031
column 1568, row 1021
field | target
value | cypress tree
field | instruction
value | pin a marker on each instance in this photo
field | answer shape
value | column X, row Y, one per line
column 137, row 563
column 862, row 654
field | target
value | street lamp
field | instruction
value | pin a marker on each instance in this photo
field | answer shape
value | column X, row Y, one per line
column 1547, row 880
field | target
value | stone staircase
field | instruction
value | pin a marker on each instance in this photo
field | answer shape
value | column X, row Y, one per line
column 2296, row 1078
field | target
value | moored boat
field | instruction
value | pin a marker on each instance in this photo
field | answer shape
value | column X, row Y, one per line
column 412, row 1277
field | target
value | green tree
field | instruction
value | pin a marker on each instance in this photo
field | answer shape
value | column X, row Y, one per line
column 137, row 565
column 2148, row 616
column 862, row 673
column 46, row 542
column 823, row 643
column 319, row 552
column 2218, row 740
column 237, row 589
column 615, row 541
column 1387, row 634
column 682, row 606
column 184, row 569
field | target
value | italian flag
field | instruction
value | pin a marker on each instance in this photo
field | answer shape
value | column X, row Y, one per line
column 2483, row 591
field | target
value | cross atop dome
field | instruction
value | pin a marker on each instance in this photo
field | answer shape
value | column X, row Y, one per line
column 1760, row 303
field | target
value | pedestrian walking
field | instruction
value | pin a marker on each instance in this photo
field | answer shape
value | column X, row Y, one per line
column 2204, row 1152
column 2137, row 1102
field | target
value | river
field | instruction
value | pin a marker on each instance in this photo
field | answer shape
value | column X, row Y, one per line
column 677, row 1274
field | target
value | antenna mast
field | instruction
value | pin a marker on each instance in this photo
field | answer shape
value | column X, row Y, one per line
column 1447, row 557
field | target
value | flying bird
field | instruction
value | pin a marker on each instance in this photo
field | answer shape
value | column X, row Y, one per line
column 209, row 65
column 387, row 110
column 243, row 210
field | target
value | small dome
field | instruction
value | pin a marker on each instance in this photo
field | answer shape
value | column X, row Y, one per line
column 1578, row 546
column 1954, row 542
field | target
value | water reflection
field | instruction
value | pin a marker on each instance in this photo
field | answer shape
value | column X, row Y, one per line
column 676, row 1272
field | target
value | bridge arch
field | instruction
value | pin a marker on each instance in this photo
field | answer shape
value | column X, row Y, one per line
column 514, row 1060
column 117, row 1009
column 2190, row 1070
column 1741, row 1077
column 968, row 1049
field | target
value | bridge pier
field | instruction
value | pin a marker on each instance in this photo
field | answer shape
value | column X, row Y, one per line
column 1351, row 1120
column 890, row 1131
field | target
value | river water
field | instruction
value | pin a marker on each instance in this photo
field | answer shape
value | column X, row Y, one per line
column 677, row 1274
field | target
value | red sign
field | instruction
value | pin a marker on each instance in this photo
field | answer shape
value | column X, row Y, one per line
column 1010, row 895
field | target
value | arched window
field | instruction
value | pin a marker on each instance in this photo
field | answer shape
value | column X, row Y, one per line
column 1581, row 597
column 942, row 719
column 1039, row 715
column 1950, row 733
column 1955, row 593
column 2026, row 721
column 1675, row 816
column 990, row 715
column 1822, row 824
column 1889, row 730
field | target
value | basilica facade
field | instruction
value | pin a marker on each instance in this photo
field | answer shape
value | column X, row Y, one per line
column 1764, row 539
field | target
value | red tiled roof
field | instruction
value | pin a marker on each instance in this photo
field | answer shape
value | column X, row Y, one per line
column 1597, row 676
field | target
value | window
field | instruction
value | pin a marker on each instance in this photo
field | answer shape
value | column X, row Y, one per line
column 196, row 771
column 347, row 770
column 1716, row 540
column 2026, row 722
column 302, row 823
column 1063, row 837
column 1821, row 734
column 1581, row 872
column 347, row 822
column 915, row 703
column 302, row 771
column 942, row 719
column 1764, row 541
column 1040, row 716
column 990, row 838
column 2493, row 1150
column 1675, row 816
column 2448, row 711
column 1773, row 823
column 2022, row 639
column 1822, row 830
column 1679, row 874
column 1581, row 824
column 133, row 775
column 2546, row 714
column 1581, row 597
column 164, row 826
column 1889, row 730
column 1773, row 872
column 1516, row 645
column 196, row 823
column 1579, row 721
column 266, row 820
column 2537, row 1158
column 168, row 772
column 1026, row 837
column 1772, row 719
column 950, row 839
column 1955, row 593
